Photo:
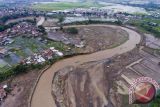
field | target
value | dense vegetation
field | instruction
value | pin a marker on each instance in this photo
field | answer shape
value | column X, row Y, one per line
column 60, row 18
column 42, row 29
column 145, row 25
column 4, row 27
column 72, row 30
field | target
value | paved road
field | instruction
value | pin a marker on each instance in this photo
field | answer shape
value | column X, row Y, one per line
column 42, row 95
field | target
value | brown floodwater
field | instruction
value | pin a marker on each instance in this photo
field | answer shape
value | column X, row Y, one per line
column 42, row 95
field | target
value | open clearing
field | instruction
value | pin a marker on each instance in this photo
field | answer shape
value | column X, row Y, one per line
column 92, row 38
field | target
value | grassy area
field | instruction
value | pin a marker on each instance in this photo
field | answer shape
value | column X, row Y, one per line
column 4, row 69
column 3, row 66
column 64, row 5
column 58, row 45
column 152, row 20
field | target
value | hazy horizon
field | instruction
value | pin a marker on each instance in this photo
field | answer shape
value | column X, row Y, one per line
column 155, row 1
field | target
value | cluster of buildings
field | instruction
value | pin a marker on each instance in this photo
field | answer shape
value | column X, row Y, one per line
column 25, row 29
column 101, row 13
column 39, row 58
column 92, row 12
column 17, row 11
column 22, row 29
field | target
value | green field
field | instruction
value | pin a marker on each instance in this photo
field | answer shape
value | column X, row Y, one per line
column 64, row 5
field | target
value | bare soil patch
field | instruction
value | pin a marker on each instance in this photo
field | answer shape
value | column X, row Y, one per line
column 21, row 87
column 92, row 38
column 50, row 22
column 93, row 83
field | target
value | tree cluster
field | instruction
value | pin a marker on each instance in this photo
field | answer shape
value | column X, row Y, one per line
column 72, row 30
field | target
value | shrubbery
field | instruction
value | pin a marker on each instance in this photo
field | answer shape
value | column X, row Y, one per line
column 5, row 75
column 72, row 30
column 61, row 18
column 151, row 29
column 42, row 29
column 144, row 26
column 19, row 69
column 4, row 27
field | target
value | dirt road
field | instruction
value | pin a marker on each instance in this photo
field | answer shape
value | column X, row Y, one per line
column 41, row 21
column 42, row 95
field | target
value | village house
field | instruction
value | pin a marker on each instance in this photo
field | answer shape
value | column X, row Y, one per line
column 39, row 58
column 48, row 54
column 3, row 52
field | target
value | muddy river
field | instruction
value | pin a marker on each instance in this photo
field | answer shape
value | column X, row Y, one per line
column 42, row 95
